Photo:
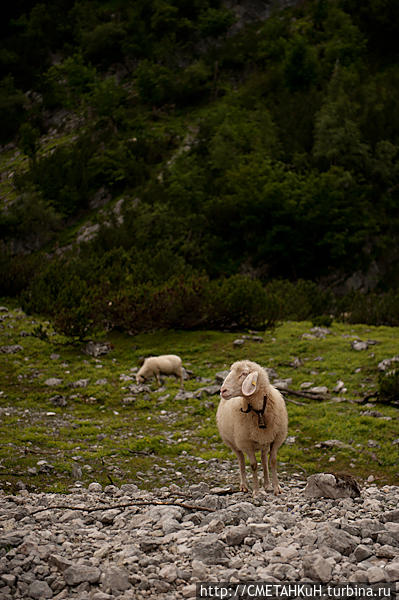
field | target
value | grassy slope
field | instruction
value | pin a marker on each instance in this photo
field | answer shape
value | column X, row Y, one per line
column 112, row 438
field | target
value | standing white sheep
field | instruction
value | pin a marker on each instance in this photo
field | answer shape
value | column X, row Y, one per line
column 167, row 364
column 252, row 416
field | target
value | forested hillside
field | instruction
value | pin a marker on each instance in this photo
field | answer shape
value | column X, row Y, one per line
column 175, row 163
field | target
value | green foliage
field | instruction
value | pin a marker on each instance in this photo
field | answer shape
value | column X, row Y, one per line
column 28, row 140
column 215, row 21
column 155, row 83
column 69, row 83
column 12, row 108
column 388, row 387
column 272, row 151
column 373, row 308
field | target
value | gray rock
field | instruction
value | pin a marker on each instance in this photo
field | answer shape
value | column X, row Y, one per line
column 339, row 540
column 362, row 552
column 210, row 390
column 358, row 345
column 328, row 485
column 115, row 579
column 282, row 384
column 80, row 383
column 59, row 561
column 236, row 535
column 386, row 364
column 53, row 381
column 58, row 400
column 9, row 579
column 317, row 568
column 169, row 572
column 97, row 348
column 210, row 550
column 319, row 389
column 392, row 572
column 221, row 376
column 10, row 539
column 391, row 515
column 239, row 342
column 76, row 574
column 11, row 349
column 40, row 590
column 375, row 575
column 387, row 552
column 95, row 487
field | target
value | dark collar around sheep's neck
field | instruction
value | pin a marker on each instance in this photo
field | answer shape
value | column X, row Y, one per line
column 260, row 413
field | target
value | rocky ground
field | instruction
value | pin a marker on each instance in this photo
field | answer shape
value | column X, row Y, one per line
column 126, row 543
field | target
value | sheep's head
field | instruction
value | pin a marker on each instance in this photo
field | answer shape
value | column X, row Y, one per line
column 139, row 379
column 244, row 379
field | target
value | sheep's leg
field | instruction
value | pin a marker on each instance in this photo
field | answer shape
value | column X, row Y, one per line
column 273, row 466
column 181, row 380
column 158, row 378
column 243, row 475
column 264, row 453
column 254, row 467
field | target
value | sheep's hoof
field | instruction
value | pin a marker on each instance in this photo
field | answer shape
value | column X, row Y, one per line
column 243, row 488
column 277, row 490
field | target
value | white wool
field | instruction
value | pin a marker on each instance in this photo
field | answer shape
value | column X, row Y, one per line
column 166, row 364
column 246, row 385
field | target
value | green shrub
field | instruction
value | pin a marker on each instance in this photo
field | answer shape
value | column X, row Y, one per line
column 156, row 84
column 388, row 387
column 240, row 301
column 300, row 300
column 12, row 108
column 372, row 308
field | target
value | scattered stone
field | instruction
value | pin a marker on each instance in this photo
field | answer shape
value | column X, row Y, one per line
column 339, row 387
column 115, row 579
column 333, row 444
column 221, row 376
column 210, row 550
column 53, row 381
column 392, row 572
column 97, row 349
column 40, row 590
column 210, row 390
column 12, row 349
column 319, row 389
column 239, row 342
column 282, row 384
column 358, row 345
column 76, row 574
column 328, row 485
column 362, row 552
column 58, row 400
column 386, row 364
column 145, row 549
column 306, row 385
column 80, row 383
column 317, row 568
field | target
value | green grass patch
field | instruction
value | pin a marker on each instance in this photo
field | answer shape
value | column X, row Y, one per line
column 114, row 438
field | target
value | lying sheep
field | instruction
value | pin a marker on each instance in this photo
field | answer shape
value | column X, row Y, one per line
column 153, row 366
column 252, row 416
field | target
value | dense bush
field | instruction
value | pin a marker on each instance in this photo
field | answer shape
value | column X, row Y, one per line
column 388, row 387
column 271, row 151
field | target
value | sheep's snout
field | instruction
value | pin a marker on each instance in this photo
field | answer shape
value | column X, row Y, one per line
column 224, row 392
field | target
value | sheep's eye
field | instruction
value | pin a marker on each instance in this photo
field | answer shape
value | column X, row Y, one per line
column 244, row 375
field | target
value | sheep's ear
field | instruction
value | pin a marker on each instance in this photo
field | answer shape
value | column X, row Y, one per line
column 250, row 383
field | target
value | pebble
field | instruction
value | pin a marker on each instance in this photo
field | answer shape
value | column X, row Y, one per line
column 143, row 551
